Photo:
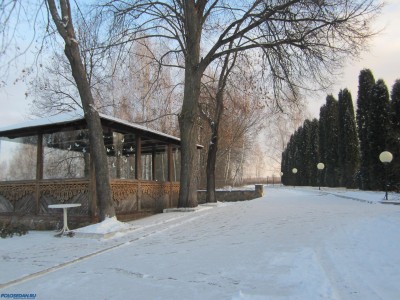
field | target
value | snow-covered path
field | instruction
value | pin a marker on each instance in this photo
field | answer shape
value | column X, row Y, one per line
column 290, row 244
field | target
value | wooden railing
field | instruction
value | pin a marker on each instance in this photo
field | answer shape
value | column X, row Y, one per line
column 31, row 198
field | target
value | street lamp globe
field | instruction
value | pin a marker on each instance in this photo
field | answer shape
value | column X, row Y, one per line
column 386, row 157
column 320, row 166
column 294, row 170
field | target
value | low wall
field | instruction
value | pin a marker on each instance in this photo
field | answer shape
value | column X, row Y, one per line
column 234, row 195
column 27, row 202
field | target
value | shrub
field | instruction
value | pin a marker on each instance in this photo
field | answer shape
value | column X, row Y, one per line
column 9, row 230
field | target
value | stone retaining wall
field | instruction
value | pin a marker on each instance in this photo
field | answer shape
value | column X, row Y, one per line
column 234, row 195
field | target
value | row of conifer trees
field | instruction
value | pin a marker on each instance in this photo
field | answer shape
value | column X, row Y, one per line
column 348, row 143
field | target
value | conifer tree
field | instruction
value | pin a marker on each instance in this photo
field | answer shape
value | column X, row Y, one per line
column 330, row 124
column 308, row 149
column 303, row 153
column 285, row 169
column 348, row 148
column 378, row 133
column 301, row 158
column 333, row 140
column 286, row 162
column 394, row 137
column 296, row 158
column 321, row 141
column 314, row 152
column 365, row 83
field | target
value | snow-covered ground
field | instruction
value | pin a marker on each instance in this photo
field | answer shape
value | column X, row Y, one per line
column 294, row 243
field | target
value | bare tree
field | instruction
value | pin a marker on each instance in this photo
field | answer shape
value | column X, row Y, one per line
column 22, row 164
column 62, row 18
column 53, row 89
column 238, row 83
column 61, row 15
column 238, row 124
column 214, row 122
column 298, row 40
column 144, row 89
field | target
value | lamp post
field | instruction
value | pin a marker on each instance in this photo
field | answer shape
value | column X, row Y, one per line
column 320, row 167
column 294, row 171
column 386, row 157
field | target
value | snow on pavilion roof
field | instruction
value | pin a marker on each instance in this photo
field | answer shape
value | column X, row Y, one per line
column 45, row 121
column 77, row 118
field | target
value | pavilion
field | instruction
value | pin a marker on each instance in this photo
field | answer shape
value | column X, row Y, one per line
column 47, row 161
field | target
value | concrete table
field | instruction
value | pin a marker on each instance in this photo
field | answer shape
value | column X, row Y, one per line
column 65, row 228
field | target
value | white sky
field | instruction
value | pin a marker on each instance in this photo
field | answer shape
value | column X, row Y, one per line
column 382, row 59
column 14, row 104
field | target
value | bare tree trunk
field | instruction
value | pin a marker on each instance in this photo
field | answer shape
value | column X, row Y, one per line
column 213, row 148
column 241, row 163
column 98, row 154
column 227, row 169
column 189, row 112
column 211, row 163
column 188, row 130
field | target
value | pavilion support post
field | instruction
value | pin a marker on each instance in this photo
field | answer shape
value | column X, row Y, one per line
column 170, row 163
column 92, row 192
column 170, row 172
column 138, row 158
column 153, row 164
column 138, row 170
column 39, row 170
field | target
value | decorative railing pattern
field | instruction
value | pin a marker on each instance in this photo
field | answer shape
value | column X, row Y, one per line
column 175, row 188
column 123, row 189
column 159, row 195
column 154, row 189
column 16, row 191
column 66, row 191
column 129, row 196
column 34, row 197
column 63, row 192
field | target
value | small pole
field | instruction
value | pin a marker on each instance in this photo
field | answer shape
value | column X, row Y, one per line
column 386, row 181
column 320, row 167
column 386, row 157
